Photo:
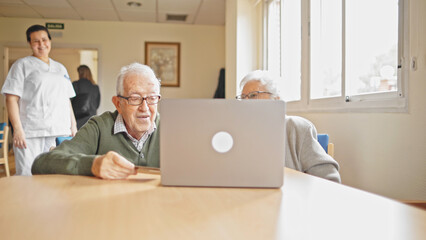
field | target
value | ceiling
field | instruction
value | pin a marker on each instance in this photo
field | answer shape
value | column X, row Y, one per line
column 203, row 12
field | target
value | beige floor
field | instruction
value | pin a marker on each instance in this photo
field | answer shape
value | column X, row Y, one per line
column 11, row 166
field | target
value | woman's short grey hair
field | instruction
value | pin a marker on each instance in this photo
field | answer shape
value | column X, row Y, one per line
column 135, row 68
column 264, row 77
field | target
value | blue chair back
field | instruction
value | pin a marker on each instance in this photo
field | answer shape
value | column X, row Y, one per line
column 59, row 140
column 323, row 139
column 2, row 125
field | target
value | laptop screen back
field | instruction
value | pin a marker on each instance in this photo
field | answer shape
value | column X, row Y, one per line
column 222, row 143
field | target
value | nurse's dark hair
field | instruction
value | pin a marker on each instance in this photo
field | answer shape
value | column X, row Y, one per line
column 36, row 28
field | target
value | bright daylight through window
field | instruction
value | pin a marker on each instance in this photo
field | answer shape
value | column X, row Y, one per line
column 337, row 54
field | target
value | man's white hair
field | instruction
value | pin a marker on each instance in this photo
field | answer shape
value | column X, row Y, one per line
column 135, row 68
column 264, row 77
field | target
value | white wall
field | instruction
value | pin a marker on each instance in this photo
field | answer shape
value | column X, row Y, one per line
column 243, row 35
column 383, row 153
column 121, row 43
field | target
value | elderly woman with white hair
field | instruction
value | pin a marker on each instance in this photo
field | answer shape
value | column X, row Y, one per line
column 302, row 150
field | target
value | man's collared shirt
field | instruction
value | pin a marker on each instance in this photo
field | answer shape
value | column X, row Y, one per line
column 119, row 127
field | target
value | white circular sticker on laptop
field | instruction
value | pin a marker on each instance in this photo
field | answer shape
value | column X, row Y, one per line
column 222, row 142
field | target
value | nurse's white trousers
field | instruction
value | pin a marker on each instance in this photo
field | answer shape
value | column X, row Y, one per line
column 24, row 158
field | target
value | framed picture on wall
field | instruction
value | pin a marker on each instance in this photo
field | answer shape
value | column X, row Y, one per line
column 164, row 59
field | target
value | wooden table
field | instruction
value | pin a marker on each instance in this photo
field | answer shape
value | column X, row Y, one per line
column 306, row 207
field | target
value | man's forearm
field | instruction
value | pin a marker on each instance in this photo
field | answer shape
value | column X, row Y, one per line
column 74, row 156
column 60, row 162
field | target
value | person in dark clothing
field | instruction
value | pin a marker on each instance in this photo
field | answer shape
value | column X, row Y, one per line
column 87, row 98
column 220, row 90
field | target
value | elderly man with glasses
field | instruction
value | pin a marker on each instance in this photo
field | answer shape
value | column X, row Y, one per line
column 109, row 146
column 302, row 151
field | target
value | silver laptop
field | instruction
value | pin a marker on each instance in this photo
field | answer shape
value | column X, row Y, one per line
column 222, row 143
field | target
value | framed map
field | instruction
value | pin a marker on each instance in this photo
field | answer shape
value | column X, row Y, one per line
column 164, row 59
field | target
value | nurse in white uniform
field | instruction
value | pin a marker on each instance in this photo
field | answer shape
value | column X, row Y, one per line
column 38, row 91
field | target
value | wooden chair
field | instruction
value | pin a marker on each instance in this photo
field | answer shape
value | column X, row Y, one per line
column 323, row 139
column 4, row 133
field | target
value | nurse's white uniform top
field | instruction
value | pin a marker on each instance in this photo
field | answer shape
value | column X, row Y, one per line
column 45, row 91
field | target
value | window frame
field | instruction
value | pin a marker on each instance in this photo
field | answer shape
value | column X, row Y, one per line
column 371, row 102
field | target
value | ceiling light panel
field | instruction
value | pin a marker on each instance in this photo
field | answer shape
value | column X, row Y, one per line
column 11, row 2
column 97, row 14
column 60, row 13
column 47, row 3
column 91, row 4
column 133, row 16
column 174, row 6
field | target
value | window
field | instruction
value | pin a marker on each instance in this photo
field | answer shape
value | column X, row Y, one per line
column 284, row 46
column 326, row 48
column 371, row 62
column 338, row 54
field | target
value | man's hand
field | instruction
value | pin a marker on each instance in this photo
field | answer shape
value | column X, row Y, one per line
column 112, row 166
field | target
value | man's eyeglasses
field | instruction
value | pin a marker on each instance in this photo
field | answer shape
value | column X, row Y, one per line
column 138, row 100
column 252, row 95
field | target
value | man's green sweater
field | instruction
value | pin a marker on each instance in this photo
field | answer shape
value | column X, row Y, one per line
column 93, row 139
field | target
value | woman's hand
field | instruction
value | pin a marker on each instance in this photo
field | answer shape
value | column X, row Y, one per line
column 12, row 104
column 73, row 130
column 73, row 122
column 19, row 139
